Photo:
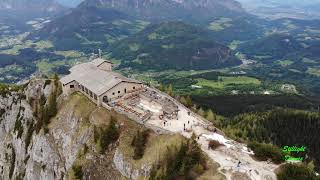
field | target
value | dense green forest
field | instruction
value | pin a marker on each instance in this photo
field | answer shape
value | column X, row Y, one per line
column 231, row 105
column 282, row 127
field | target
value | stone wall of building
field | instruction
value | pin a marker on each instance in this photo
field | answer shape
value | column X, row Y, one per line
column 120, row 90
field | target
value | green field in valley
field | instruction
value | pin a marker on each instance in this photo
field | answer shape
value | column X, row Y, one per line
column 227, row 81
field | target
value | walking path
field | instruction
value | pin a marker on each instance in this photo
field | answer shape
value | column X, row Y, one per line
column 234, row 158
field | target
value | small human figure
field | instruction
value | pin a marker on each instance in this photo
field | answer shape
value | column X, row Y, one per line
column 188, row 122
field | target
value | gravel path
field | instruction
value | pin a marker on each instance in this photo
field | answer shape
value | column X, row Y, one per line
column 227, row 156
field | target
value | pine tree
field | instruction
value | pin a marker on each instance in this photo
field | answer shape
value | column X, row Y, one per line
column 210, row 115
column 183, row 101
column 170, row 90
column 109, row 135
column 161, row 87
column 201, row 112
column 189, row 103
column 52, row 105
column 40, row 117
column 57, row 85
column 311, row 166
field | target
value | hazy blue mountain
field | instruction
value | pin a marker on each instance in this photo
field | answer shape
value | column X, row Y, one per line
column 23, row 10
column 30, row 6
column 301, row 9
column 171, row 9
column 17, row 14
column 70, row 3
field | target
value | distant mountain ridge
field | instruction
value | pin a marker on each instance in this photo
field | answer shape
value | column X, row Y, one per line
column 164, row 9
column 277, row 9
column 25, row 10
column 70, row 3
column 31, row 5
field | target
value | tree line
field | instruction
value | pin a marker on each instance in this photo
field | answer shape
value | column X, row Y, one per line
column 282, row 127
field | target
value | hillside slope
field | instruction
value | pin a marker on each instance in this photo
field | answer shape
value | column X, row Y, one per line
column 276, row 46
column 172, row 45
column 88, row 27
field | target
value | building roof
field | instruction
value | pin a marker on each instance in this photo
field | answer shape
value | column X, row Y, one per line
column 98, row 61
column 96, row 80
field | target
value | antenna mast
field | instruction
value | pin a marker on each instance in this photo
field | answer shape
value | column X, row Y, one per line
column 100, row 53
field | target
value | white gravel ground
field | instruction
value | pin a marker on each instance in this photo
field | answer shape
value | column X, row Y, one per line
column 228, row 156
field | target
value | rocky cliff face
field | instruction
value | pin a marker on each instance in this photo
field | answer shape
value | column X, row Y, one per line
column 126, row 168
column 23, row 152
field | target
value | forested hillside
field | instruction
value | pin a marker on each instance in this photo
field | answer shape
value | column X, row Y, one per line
column 173, row 45
column 89, row 27
column 276, row 46
column 282, row 127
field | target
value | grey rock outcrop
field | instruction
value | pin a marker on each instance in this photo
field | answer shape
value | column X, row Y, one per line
column 25, row 154
column 127, row 170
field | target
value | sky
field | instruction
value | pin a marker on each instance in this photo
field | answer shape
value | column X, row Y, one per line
column 74, row 3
